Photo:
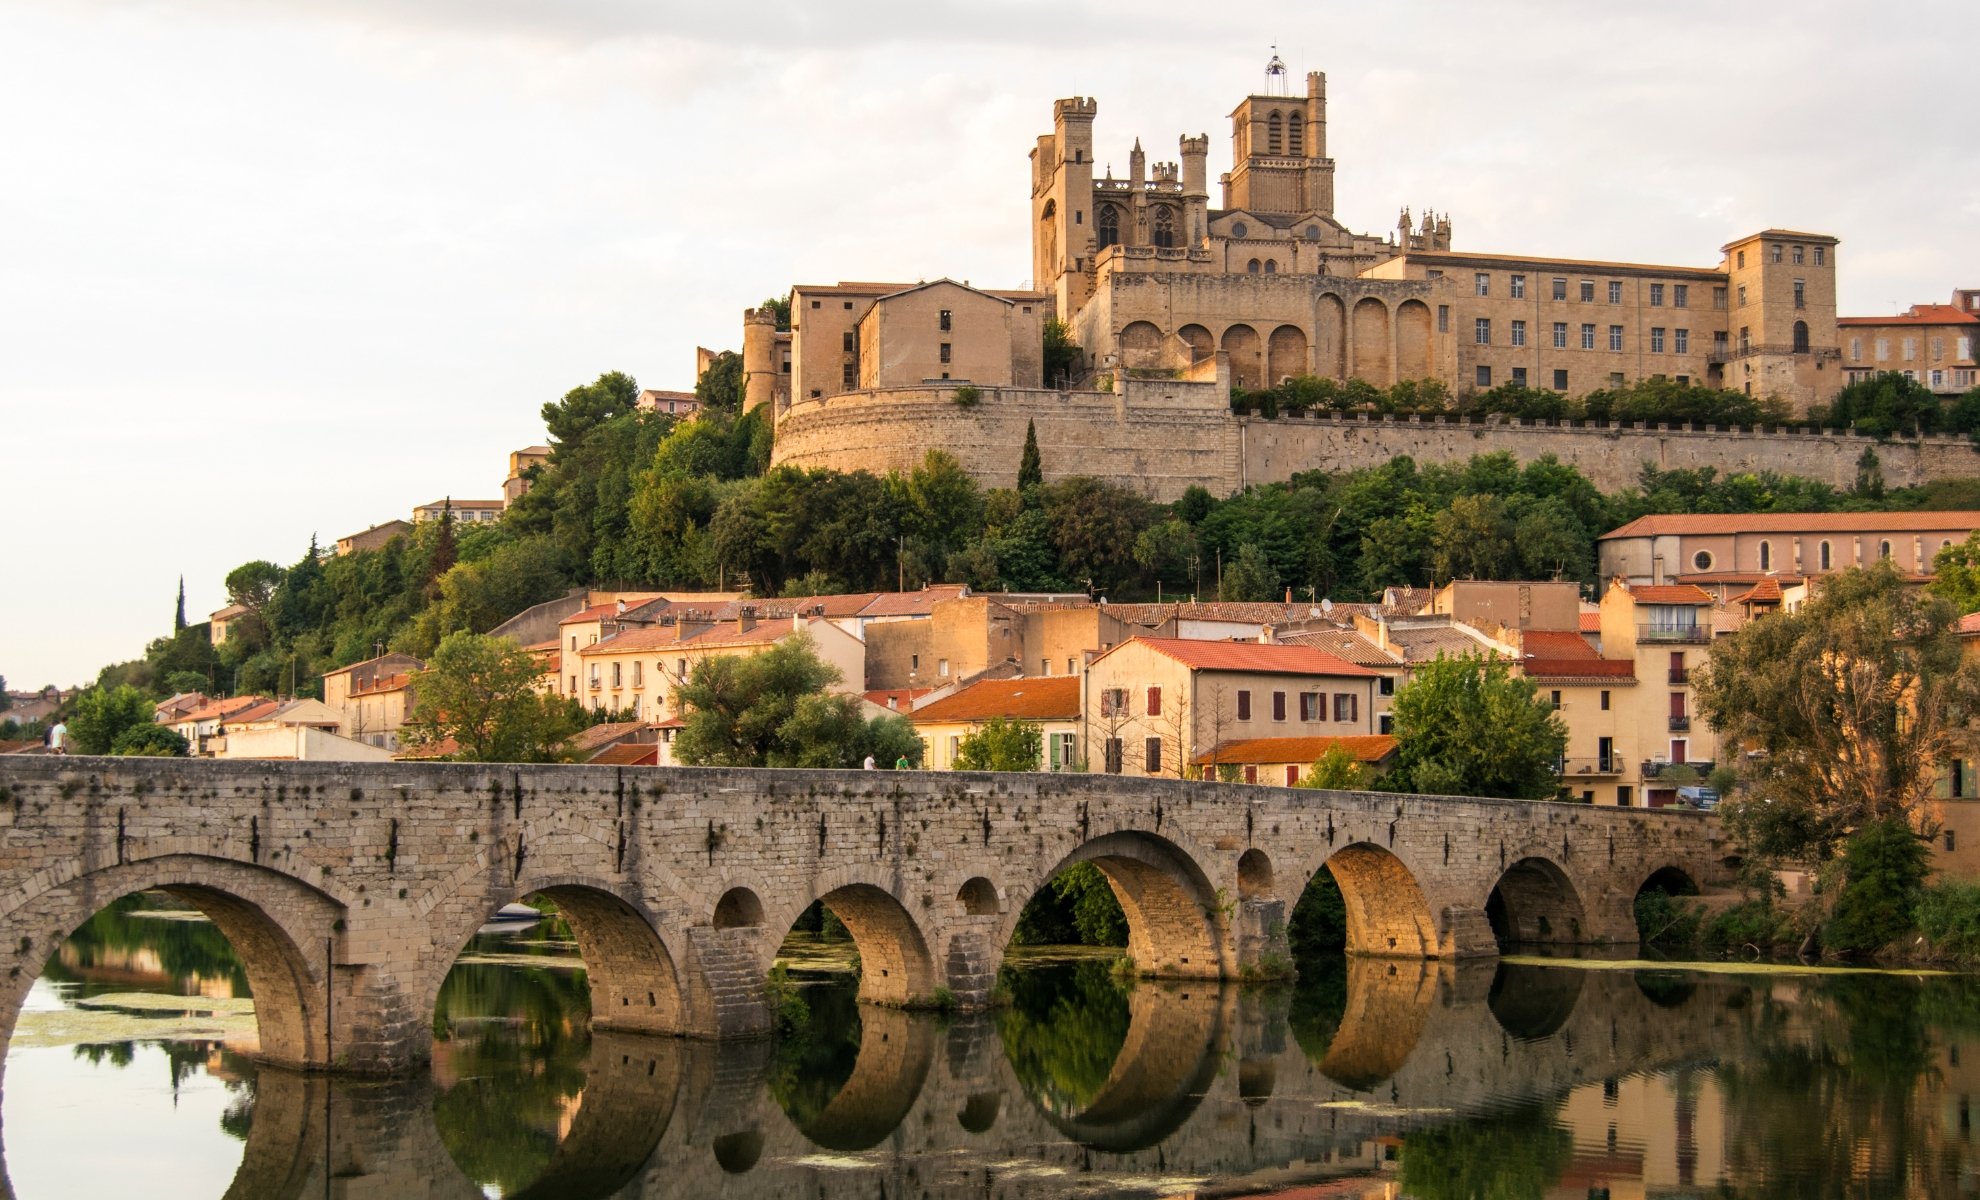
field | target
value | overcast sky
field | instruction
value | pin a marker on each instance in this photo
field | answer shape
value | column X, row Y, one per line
column 275, row 267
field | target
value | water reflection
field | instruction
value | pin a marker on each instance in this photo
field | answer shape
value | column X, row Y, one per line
column 1420, row 1079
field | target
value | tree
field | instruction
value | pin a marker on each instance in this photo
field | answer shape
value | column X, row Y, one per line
column 1956, row 574
column 1337, row 770
column 1031, row 469
column 1884, row 870
column 772, row 710
column 1001, row 744
column 1846, row 709
column 1472, row 539
column 720, row 388
column 1249, row 576
column 103, row 714
column 444, row 554
column 780, row 305
column 481, row 692
column 6, row 698
column 589, row 406
column 151, row 740
column 179, row 621
column 1469, row 727
column 1061, row 352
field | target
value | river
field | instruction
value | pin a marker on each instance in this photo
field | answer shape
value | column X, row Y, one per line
column 132, row 1074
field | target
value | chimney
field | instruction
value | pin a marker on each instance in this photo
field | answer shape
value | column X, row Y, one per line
column 694, row 623
column 745, row 618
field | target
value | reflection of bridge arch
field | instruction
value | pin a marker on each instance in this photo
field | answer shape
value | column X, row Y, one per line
column 1388, row 1003
column 895, row 1050
column 1531, row 1003
column 277, row 925
column 631, row 973
column 631, row 1085
column 1172, row 1053
column 1172, row 909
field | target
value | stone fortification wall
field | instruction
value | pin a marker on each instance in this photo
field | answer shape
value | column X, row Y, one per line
column 1160, row 436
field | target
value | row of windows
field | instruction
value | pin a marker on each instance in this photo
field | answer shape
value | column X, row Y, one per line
column 1775, row 249
column 1274, row 140
column 1162, row 233
column 1960, row 379
column 1115, row 702
column 1679, row 341
column 1520, row 378
column 1679, row 293
column 1935, row 348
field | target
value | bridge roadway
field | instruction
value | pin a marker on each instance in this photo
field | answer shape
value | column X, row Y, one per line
column 348, row 890
column 1208, row 1083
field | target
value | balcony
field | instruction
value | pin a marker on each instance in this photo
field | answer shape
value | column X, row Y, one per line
column 1679, row 676
column 595, row 683
column 1588, row 768
column 1675, row 634
column 1680, row 724
column 1692, row 771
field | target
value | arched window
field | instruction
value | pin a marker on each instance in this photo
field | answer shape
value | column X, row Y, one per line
column 1801, row 337
column 1825, row 556
column 1294, row 131
column 1251, row 268
column 1883, row 549
column 1165, row 227
column 1274, row 135
column 1110, row 226
column 1271, row 266
column 1766, row 556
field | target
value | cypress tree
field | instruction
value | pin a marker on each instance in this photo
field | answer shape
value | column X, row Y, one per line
column 444, row 553
column 1031, row 472
column 179, row 622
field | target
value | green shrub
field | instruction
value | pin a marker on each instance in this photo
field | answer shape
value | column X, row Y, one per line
column 968, row 396
column 1949, row 917
column 1884, row 868
column 1664, row 921
column 1758, row 922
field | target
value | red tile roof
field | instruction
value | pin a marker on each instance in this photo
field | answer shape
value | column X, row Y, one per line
column 1670, row 593
column 599, row 735
column 1247, row 656
column 1767, row 591
column 898, row 699
column 1366, row 747
column 627, row 754
column 1919, row 314
column 1591, row 622
column 1969, row 625
column 911, row 604
column 1579, row 668
column 1552, row 643
column 1349, row 644
column 1052, row 697
column 1865, row 522
column 221, row 709
column 596, row 612
column 390, row 683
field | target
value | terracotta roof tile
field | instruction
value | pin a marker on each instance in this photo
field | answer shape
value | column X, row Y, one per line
column 390, row 683
column 596, row 612
column 598, row 735
column 1767, row 591
column 1367, row 747
column 1036, row 699
column 898, row 699
column 912, row 604
column 1579, row 668
column 1248, row 656
column 1969, row 625
column 1862, row 522
column 222, row 709
column 1551, row 643
column 627, row 754
column 1670, row 593
column 1591, row 622
column 1919, row 314
column 1349, row 644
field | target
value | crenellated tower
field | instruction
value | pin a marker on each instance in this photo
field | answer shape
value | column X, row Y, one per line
column 1062, row 234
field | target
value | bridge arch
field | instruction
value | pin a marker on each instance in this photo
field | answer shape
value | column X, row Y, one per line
column 279, row 927
column 1534, row 901
column 896, row 966
column 1176, row 926
column 635, row 985
column 1387, row 913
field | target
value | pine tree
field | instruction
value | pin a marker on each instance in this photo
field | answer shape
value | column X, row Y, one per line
column 1031, row 471
column 179, row 622
column 444, row 553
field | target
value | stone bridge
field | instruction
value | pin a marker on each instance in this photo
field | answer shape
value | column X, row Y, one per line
column 349, row 890
column 1208, row 1083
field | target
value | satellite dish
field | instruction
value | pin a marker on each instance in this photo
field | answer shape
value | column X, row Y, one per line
column 1326, row 606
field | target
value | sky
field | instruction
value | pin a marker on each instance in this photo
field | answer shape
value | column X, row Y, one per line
column 271, row 268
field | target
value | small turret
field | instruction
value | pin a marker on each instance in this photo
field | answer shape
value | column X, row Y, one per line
column 1196, row 165
column 759, row 356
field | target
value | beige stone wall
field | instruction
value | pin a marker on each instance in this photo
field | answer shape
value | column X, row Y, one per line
column 1657, row 559
column 1161, row 438
column 902, row 340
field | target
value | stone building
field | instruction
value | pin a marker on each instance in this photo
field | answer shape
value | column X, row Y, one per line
column 1718, row 548
column 1937, row 345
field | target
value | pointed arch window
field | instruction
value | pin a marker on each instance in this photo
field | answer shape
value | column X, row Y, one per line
column 1294, row 132
column 1274, row 135
column 1165, row 227
column 1110, row 226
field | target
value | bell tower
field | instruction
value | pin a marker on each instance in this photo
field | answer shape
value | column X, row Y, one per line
column 1062, row 202
column 1279, row 148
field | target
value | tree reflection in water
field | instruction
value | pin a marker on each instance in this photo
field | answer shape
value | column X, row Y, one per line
column 115, row 949
column 1063, row 1029
column 814, row 1059
column 509, row 1049
column 1508, row 1156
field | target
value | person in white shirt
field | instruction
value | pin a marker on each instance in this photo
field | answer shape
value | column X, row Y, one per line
column 58, row 737
column 869, row 762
